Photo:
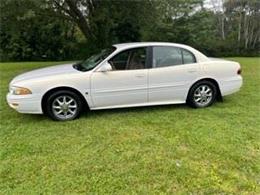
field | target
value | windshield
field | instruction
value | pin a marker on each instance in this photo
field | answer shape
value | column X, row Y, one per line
column 94, row 60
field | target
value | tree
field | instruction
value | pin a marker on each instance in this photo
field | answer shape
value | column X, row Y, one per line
column 239, row 24
column 32, row 33
column 105, row 22
column 243, row 17
column 67, row 29
column 77, row 11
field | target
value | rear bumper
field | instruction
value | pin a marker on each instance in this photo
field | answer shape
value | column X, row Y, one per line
column 231, row 86
column 30, row 104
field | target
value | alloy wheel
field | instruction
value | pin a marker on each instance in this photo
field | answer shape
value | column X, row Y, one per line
column 203, row 95
column 64, row 107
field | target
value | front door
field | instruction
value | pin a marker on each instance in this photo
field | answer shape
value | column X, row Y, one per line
column 126, row 84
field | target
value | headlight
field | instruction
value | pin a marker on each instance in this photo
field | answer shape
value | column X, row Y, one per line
column 19, row 90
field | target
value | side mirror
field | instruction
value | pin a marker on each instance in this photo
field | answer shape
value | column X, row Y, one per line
column 105, row 67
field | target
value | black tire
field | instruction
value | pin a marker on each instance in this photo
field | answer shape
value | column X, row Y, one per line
column 193, row 98
column 58, row 96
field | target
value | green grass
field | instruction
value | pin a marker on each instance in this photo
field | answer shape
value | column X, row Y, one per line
column 151, row 150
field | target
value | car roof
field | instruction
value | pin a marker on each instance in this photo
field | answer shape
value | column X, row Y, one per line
column 145, row 44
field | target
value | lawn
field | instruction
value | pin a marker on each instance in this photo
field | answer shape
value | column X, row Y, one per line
column 151, row 150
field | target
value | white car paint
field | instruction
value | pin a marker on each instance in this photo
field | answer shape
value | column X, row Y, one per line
column 127, row 88
column 119, row 87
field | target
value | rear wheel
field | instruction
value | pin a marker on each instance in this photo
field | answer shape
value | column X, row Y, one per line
column 202, row 94
column 63, row 105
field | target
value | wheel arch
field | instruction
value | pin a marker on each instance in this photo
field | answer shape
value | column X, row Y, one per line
column 50, row 91
column 219, row 95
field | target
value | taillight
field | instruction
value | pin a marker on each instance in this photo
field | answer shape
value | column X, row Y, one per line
column 239, row 71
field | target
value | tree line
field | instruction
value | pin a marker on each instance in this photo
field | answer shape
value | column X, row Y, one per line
column 75, row 29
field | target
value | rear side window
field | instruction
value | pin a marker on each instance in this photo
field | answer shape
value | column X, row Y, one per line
column 164, row 56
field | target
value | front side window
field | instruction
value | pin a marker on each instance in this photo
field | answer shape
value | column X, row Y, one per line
column 164, row 56
column 130, row 59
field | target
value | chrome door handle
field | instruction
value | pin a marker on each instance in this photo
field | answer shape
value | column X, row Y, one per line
column 192, row 71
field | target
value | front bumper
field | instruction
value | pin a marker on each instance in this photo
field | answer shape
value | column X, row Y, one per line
column 30, row 104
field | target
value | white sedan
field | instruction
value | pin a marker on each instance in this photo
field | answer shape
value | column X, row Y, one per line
column 126, row 75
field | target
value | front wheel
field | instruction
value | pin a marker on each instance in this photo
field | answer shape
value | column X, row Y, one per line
column 63, row 105
column 202, row 94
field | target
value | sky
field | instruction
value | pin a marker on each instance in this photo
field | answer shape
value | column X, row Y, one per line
column 213, row 4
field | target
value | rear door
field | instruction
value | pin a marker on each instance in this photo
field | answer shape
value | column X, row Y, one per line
column 172, row 72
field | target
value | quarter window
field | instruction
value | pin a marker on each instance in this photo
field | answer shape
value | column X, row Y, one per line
column 188, row 57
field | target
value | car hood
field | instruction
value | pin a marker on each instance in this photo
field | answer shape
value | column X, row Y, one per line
column 44, row 72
